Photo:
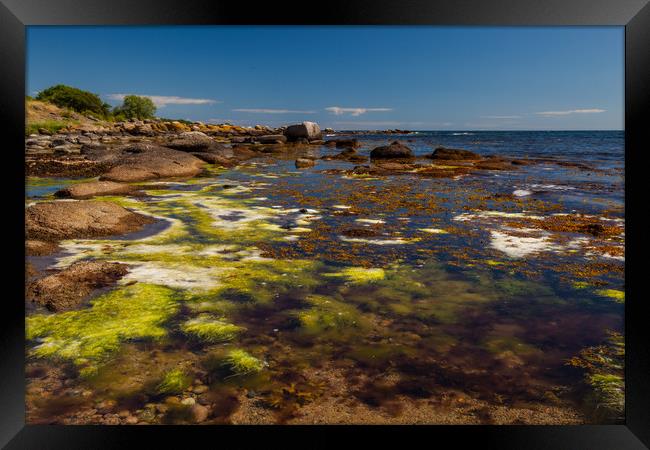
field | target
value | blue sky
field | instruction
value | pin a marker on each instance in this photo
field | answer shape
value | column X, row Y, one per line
column 420, row 78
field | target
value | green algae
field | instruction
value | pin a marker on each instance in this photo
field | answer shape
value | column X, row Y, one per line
column 210, row 330
column 241, row 363
column 174, row 382
column 89, row 336
column 604, row 367
column 327, row 314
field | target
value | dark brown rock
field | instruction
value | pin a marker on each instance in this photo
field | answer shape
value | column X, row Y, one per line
column 68, row 288
column 395, row 150
column 453, row 154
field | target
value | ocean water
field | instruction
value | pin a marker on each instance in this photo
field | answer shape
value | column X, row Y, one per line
column 365, row 299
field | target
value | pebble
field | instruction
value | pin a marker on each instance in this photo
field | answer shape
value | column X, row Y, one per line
column 188, row 401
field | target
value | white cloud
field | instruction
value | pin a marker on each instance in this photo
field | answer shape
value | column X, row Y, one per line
column 272, row 111
column 336, row 110
column 571, row 111
column 163, row 100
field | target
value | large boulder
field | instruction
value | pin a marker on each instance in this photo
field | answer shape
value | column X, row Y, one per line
column 141, row 162
column 306, row 130
column 191, row 141
column 68, row 288
column 53, row 221
column 394, row 150
column 94, row 188
column 453, row 154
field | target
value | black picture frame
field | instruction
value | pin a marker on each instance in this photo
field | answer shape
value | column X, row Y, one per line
column 634, row 15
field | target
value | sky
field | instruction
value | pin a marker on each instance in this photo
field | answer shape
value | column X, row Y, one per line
column 344, row 77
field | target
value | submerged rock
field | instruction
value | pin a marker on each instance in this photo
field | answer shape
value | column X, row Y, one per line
column 35, row 247
column 68, row 288
column 271, row 139
column 304, row 163
column 453, row 154
column 86, row 190
column 53, row 221
column 394, row 150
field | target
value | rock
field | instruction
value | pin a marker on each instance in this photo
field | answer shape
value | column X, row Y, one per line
column 344, row 143
column 214, row 158
column 394, row 150
column 317, row 142
column 494, row 165
column 188, row 401
column 271, row 139
column 141, row 162
column 93, row 188
column 199, row 413
column 53, row 221
column 395, row 166
column 242, row 152
column 35, row 247
column 44, row 131
column 302, row 163
column 131, row 420
column 348, row 154
column 453, row 154
column 67, row 288
column 329, row 130
column 191, row 141
column 200, row 389
column 305, row 130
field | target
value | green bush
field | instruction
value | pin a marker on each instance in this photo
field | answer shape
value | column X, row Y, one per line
column 69, row 97
column 135, row 107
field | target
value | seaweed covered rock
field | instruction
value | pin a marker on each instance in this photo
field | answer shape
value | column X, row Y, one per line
column 94, row 188
column 141, row 162
column 453, row 154
column 394, row 150
column 68, row 288
column 53, row 221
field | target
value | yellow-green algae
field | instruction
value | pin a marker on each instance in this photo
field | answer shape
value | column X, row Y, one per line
column 618, row 296
column 174, row 382
column 89, row 336
column 240, row 362
column 360, row 274
column 327, row 313
column 209, row 329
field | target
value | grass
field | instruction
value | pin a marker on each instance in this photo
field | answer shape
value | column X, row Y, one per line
column 174, row 382
column 211, row 330
column 53, row 126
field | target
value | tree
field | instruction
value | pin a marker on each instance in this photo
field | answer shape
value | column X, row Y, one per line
column 69, row 97
column 135, row 107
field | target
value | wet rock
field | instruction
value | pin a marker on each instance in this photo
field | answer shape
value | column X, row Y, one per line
column 494, row 165
column 348, row 154
column 302, row 163
column 199, row 413
column 188, row 401
column 141, row 162
column 53, row 221
column 215, row 158
column 395, row 150
column 395, row 166
column 67, row 288
column 242, row 152
column 317, row 142
column 271, row 139
column 94, row 188
column 343, row 143
column 131, row 420
column 453, row 154
column 305, row 130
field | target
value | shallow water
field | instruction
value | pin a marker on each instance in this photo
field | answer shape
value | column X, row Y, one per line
column 387, row 299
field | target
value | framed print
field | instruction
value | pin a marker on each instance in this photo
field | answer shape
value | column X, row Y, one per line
column 327, row 223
